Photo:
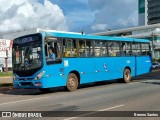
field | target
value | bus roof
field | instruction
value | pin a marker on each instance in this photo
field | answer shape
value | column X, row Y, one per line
column 94, row 37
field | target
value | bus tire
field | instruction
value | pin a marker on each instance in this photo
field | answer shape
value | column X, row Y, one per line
column 126, row 76
column 72, row 82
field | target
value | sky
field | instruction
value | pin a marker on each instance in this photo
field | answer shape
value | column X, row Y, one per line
column 89, row 16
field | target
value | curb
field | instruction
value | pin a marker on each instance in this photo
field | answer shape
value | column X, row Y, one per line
column 6, row 77
column 6, row 88
column 6, row 81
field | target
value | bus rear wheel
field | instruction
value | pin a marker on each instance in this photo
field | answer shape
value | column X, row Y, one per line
column 72, row 82
column 127, row 76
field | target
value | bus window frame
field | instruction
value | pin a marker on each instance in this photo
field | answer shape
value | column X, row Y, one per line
column 74, row 43
column 93, row 48
column 55, row 40
column 126, row 50
column 149, row 52
column 118, row 43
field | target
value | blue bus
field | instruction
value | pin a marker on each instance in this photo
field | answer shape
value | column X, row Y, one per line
column 78, row 59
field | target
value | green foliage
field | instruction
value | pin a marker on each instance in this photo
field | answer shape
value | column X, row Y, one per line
column 4, row 74
column 158, row 60
column 154, row 60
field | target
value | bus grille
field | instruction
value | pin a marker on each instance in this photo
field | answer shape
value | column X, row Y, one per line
column 26, row 78
column 26, row 83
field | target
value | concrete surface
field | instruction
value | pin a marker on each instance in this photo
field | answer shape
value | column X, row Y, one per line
column 6, row 83
column 6, row 80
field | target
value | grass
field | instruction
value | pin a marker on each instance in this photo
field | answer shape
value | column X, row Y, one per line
column 4, row 74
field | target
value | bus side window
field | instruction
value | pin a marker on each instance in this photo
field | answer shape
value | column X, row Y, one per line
column 100, row 48
column 59, row 50
column 104, row 49
column 126, row 49
column 123, row 48
column 134, row 52
column 53, row 50
column 97, row 48
column 113, row 48
column 69, row 48
column 50, row 49
column 110, row 48
column 136, row 49
column 89, row 48
column 139, row 52
column 81, row 46
column 145, row 49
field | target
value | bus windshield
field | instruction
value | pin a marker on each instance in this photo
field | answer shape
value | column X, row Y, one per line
column 27, row 53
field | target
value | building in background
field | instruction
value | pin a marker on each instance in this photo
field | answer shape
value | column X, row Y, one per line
column 153, row 11
column 142, row 12
column 148, row 12
column 5, row 52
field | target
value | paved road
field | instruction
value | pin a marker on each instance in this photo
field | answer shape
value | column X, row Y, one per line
column 142, row 94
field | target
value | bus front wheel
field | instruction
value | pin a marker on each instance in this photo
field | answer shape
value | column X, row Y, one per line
column 127, row 75
column 72, row 82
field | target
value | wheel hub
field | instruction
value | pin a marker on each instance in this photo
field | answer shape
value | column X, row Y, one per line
column 72, row 82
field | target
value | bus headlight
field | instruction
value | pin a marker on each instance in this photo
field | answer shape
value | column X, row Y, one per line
column 39, row 75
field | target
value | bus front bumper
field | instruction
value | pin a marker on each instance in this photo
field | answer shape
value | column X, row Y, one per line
column 29, row 83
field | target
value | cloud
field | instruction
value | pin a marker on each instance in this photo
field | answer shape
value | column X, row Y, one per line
column 115, row 14
column 132, row 20
column 27, row 14
column 78, row 14
column 99, row 27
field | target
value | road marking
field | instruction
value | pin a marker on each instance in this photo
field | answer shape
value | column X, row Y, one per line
column 94, row 112
column 23, row 100
column 112, row 108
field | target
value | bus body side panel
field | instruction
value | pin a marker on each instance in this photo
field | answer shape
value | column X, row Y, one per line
column 58, row 73
column 113, row 67
column 127, row 62
column 107, row 68
column 143, row 64
column 54, row 74
column 99, row 69
column 84, row 66
column 93, row 69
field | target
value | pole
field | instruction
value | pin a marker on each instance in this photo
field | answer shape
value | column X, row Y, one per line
column 6, row 61
column 153, row 46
